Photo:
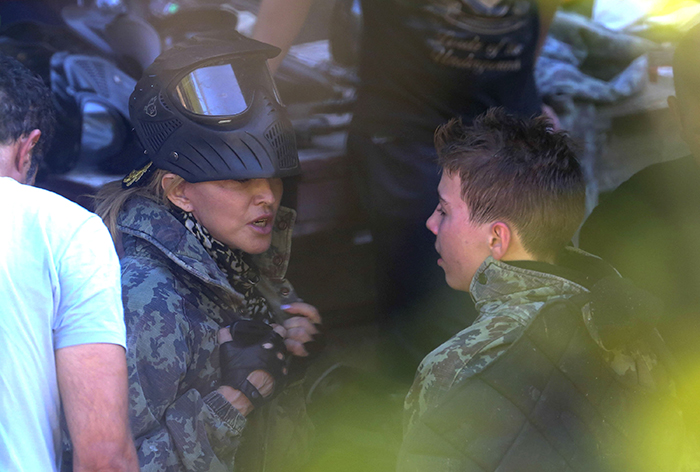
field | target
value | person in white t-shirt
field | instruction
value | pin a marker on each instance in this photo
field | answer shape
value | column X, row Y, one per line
column 61, row 318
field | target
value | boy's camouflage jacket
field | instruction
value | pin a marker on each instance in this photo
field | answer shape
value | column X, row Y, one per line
column 175, row 300
column 508, row 297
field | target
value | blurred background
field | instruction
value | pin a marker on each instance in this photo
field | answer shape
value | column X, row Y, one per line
column 605, row 69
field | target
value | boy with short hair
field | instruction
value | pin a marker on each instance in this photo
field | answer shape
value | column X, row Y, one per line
column 512, row 195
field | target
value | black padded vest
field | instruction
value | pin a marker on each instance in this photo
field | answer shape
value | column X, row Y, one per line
column 552, row 402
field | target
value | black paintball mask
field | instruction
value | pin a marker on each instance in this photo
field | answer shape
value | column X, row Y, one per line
column 208, row 109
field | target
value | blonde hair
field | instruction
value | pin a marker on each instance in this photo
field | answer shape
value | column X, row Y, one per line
column 111, row 198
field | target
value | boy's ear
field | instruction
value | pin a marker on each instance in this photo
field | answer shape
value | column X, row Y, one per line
column 176, row 194
column 500, row 236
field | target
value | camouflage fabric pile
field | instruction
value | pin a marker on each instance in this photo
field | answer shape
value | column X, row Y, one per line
column 582, row 66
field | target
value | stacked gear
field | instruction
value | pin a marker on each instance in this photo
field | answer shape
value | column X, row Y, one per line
column 207, row 109
column 91, row 94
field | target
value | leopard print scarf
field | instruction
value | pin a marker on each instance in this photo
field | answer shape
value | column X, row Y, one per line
column 241, row 275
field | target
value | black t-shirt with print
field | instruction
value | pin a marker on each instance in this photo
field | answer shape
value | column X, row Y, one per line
column 426, row 61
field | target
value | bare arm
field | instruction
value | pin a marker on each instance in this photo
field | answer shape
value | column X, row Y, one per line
column 92, row 379
column 547, row 9
column 279, row 22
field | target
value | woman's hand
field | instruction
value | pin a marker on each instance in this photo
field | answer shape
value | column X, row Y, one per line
column 260, row 379
column 300, row 329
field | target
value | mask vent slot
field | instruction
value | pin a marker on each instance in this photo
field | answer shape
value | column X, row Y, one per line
column 283, row 142
column 162, row 101
column 157, row 132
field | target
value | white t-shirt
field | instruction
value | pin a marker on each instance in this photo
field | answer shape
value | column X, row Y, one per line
column 59, row 287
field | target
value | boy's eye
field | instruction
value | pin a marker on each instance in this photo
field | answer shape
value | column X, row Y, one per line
column 440, row 210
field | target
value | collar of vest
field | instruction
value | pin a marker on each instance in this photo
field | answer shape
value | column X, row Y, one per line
column 575, row 272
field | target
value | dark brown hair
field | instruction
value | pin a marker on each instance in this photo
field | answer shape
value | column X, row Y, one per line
column 519, row 171
column 25, row 105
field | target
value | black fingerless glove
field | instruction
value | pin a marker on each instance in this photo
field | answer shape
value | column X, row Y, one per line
column 247, row 352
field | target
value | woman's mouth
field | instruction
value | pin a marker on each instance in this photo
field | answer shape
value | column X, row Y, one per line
column 262, row 225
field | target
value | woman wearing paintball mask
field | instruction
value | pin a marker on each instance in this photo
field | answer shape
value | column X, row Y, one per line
column 211, row 321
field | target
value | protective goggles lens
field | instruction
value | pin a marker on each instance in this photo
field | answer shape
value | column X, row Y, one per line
column 224, row 89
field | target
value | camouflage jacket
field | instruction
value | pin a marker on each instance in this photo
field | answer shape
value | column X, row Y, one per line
column 175, row 300
column 507, row 298
column 457, row 417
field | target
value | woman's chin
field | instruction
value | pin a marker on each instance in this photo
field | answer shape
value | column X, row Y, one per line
column 256, row 246
column 257, row 251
